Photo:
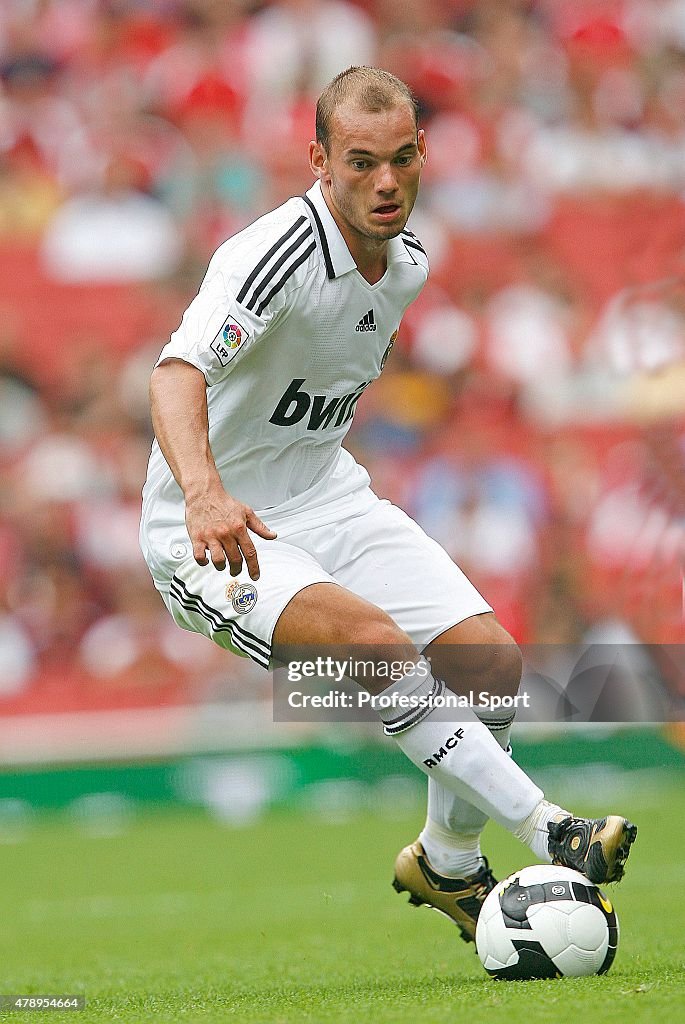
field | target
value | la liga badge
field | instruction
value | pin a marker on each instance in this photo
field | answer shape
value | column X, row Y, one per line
column 233, row 335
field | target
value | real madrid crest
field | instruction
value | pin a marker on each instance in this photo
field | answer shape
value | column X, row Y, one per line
column 393, row 339
column 243, row 596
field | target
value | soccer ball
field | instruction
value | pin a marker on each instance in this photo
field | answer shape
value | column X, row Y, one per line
column 546, row 922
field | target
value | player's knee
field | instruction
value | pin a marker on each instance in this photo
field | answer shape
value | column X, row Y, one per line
column 381, row 648
column 478, row 654
column 504, row 666
column 382, row 635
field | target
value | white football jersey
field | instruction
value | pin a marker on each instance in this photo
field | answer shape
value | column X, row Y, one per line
column 288, row 334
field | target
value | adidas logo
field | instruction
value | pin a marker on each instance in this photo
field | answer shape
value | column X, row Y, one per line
column 367, row 322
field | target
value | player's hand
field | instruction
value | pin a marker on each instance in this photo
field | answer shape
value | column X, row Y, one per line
column 219, row 524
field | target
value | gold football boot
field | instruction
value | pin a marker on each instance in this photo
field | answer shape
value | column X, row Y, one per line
column 597, row 847
column 460, row 899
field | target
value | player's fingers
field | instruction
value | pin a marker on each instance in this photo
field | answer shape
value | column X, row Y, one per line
column 249, row 554
column 258, row 527
column 200, row 552
column 217, row 554
column 235, row 559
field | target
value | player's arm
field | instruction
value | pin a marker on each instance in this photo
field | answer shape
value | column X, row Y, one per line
column 216, row 522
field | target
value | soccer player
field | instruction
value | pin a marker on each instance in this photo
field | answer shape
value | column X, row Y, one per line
column 251, row 400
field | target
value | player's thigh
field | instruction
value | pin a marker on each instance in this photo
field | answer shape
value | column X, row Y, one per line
column 325, row 614
column 331, row 621
column 238, row 613
column 386, row 558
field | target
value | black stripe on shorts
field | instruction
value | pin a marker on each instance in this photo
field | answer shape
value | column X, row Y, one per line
column 253, row 646
column 192, row 605
column 213, row 611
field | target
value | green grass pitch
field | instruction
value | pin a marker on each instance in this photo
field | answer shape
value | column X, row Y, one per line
column 293, row 919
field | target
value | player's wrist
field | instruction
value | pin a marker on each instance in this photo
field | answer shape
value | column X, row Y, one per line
column 203, row 488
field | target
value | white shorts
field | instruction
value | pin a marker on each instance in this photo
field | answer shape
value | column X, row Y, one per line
column 377, row 552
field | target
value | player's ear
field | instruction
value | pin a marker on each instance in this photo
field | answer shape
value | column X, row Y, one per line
column 421, row 143
column 318, row 160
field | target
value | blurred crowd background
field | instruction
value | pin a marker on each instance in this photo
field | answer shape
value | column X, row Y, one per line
column 532, row 415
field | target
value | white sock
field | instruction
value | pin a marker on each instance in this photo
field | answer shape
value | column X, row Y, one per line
column 460, row 754
column 499, row 722
column 451, row 835
column 451, row 853
column 533, row 830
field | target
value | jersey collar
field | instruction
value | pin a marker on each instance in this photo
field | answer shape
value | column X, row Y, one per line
column 337, row 256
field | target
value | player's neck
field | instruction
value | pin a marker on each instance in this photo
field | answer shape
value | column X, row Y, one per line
column 371, row 263
column 370, row 255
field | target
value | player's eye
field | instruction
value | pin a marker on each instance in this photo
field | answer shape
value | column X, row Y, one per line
column 405, row 160
column 359, row 165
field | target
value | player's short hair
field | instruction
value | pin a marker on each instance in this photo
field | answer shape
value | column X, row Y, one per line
column 374, row 90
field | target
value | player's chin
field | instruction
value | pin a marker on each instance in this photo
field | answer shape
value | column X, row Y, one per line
column 389, row 230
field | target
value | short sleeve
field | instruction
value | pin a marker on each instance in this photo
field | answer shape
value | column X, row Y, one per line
column 216, row 329
column 250, row 282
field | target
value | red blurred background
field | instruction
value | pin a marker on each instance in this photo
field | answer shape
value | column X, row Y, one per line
column 532, row 416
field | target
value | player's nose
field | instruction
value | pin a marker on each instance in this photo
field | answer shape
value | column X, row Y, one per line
column 386, row 179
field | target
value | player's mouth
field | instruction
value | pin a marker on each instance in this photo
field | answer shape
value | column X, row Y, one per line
column 387, row 211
